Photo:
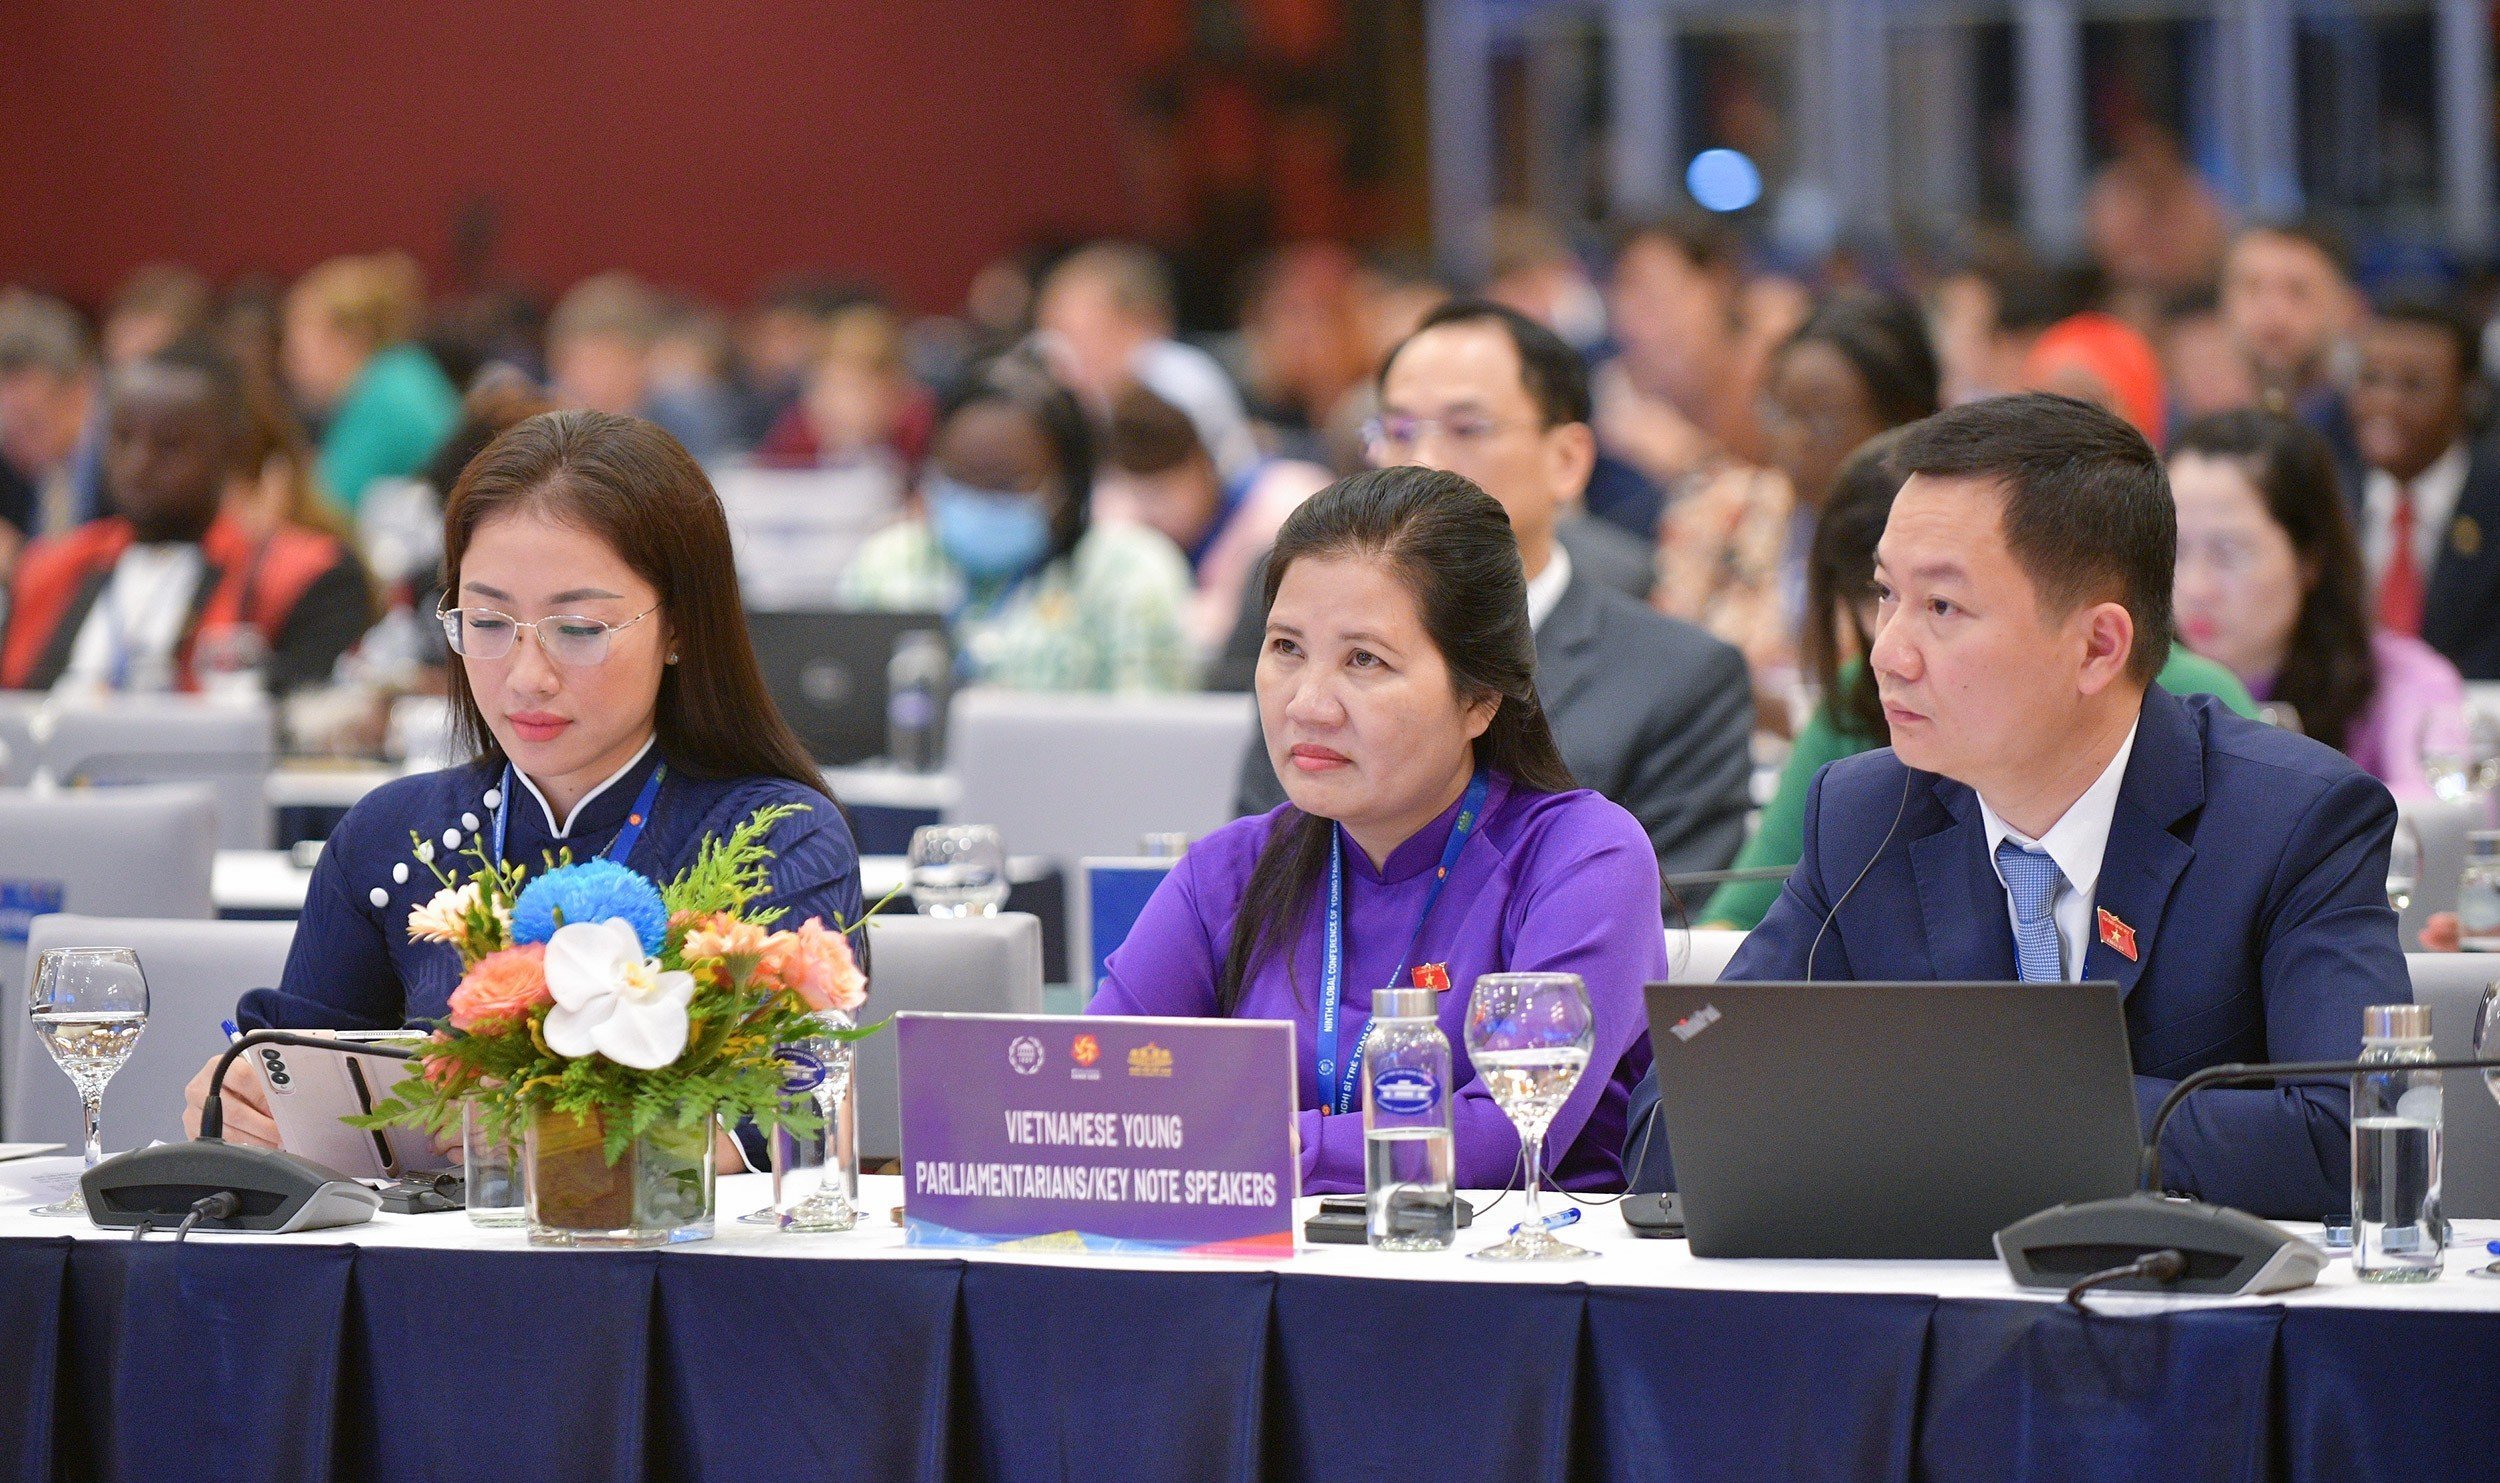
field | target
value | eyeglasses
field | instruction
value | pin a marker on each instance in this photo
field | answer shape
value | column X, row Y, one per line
column 566, row 638
column 1390, row 437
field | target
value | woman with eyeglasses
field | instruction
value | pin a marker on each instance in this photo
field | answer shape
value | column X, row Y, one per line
column 1732, row 551
column 606, row 686
column 1038, row 594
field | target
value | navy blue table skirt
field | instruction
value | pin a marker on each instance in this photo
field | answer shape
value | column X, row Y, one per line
column 233, row 1360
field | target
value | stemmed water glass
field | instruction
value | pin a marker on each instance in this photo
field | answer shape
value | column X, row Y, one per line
column 958, row 870
column 89, row 1005
column 1528, row 1035
column 830, row 1208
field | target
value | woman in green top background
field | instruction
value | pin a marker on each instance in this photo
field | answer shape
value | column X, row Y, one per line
column 1849, row 719
column 382, row 403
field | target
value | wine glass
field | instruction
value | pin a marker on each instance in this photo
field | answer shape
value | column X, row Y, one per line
column 788, row 1152
column 89, row 1005
column 1528, row 1035
column 2486, row 1046
column 2447, row 752
column 830, row 1208
column 2404, row 865
column 958, row 870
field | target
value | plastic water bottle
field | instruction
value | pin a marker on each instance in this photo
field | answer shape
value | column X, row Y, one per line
column 1409, row 1165
column 2398, row 1231
column 915, row 708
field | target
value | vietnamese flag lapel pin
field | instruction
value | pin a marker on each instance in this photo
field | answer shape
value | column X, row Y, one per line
column 2119, row 937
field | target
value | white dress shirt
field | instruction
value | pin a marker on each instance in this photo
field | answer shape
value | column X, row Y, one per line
column 136, row 624
column 1545, row 589
column 2435, row 493
column 2077, row 842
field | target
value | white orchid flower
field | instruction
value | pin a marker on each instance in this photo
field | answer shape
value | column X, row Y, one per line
column 613, row 1000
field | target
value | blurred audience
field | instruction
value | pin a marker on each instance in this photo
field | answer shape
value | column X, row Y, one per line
column 1537, row 272
column 193, row 580
column 2291, row 308
column 1732, row 555
column 155, row 307
column 1105, row 319
column 1679, row 394
column 351, row 358
column 2101, row 359
column 2270, row 585
column 51, row 419
column 1156, row 472
column 860, row 406
column 1038, row 594
column 2430, row 501
column 615, row 345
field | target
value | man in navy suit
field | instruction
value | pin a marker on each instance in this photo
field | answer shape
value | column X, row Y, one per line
column 2429, row 504
column 2046, row 812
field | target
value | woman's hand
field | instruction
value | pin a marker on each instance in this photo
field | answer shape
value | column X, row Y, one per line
column 2443, row 934
column 246, row 1100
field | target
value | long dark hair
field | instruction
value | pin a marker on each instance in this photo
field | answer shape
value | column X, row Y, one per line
column 629, row 483
column 1452, row 547
column 1840, row 571
column 2329, row 673
column 1884, row 339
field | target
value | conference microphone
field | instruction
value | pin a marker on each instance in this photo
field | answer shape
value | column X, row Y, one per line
column 2149, row 1241
column 211, row 1184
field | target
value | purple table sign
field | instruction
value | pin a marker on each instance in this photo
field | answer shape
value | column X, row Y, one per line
column 1098, row 1133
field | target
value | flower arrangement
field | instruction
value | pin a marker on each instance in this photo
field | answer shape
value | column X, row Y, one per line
column 591, row 993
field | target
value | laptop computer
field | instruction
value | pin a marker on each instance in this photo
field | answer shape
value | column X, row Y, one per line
column 1888, row 1120
column 827, row 673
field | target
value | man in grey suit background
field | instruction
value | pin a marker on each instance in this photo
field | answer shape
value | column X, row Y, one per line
column 1653, row 713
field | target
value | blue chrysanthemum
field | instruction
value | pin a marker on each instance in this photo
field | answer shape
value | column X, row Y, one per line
column 590, row 892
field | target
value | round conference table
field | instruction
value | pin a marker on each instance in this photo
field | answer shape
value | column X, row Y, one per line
column 421, row 1347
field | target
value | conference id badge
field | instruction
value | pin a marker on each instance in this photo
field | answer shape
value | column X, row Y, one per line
column 1098, row 1133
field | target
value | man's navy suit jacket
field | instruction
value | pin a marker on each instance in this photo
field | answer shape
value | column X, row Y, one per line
column 2251, row 864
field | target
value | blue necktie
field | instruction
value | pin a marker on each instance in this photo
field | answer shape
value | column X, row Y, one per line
column 2031, row 878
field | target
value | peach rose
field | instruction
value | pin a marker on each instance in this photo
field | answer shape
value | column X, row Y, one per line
column 719, row 936
column 815, row 964
column 503, row 986
column 441, row 1072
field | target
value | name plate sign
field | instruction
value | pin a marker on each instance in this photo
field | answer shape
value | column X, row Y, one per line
column 1098, row 1133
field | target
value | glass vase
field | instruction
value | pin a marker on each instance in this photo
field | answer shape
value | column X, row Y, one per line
column 658, row 1192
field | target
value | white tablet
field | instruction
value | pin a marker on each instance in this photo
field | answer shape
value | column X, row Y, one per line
column 311, row 1090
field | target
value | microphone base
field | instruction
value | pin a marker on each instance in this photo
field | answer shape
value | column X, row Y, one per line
column 275, row 1191
column 2229, row 1252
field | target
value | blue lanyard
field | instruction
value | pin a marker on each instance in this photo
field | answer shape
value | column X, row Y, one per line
column 1332, row 954
column 619, row 847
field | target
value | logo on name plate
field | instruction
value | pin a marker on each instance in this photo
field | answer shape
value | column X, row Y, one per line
column 1087, row 1050
column 1150, row 1060
column 1025, row 1054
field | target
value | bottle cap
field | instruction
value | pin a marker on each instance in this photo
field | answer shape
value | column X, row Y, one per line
column 2396, row 1022
column 1406, row 1004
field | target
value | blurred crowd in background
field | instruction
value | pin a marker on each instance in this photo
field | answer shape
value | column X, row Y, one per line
column 1085, row 489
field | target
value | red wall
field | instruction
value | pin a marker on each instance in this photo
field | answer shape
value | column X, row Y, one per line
column 703, row 145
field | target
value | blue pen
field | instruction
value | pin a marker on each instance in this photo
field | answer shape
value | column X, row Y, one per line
column 234, row 1032
column 1553, row 1222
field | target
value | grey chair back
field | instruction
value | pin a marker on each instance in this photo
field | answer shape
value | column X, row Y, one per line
column 2442, row 828
column 1066, row 776
column 2452, row 985
column 195, row 971
column 959, row 965
column 107, row 852
column 228, row 744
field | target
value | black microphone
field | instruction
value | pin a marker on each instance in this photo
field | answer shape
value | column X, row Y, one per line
column 228, row 1186
column 2113, row 1243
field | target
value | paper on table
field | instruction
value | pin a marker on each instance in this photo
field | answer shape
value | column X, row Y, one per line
column 10, row 1151
column 43, row 1179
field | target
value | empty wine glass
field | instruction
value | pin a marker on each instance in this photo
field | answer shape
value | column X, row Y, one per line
column 89, row 1005
column 2404, row 865
column 2446, row 744
column 788, row 1152
column 830, row 1208
column 958, row 870
column 1528, row 1035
